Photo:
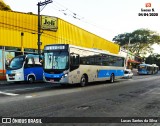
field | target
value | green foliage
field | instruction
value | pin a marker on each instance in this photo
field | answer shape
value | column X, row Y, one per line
column 3, row 6
column 31, row 13
column 141, row 41
column 153, row 59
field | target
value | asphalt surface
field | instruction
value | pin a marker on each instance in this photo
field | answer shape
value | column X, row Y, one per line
column 137, row 97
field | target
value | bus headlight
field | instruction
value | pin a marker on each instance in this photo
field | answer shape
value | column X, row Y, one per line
column 18, row 74
column 66, row 75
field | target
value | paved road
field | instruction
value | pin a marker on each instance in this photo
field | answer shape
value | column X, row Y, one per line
column 137, row 97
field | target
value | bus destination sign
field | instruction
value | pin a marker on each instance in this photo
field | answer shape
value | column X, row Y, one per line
column 55, row 47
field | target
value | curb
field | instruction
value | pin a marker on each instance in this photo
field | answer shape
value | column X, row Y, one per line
column 3, row 82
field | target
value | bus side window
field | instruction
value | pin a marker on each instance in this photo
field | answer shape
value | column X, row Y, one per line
column 75, row 60
column 37, row 62
column 29, row 62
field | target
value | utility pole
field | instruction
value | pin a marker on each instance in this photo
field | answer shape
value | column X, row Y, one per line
column 22, row 48
column 128, row 51
column 39, row 23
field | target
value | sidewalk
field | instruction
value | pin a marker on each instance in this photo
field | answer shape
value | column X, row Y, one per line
column 134, row 71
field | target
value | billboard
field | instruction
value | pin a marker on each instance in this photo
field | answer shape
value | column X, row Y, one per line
column 49, row 23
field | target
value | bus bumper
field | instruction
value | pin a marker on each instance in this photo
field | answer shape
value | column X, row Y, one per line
column 14, row 77
column 63, row 80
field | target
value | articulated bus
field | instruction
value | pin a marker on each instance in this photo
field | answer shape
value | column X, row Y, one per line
column 25, row 68
column 148, row 69
column 68, row 64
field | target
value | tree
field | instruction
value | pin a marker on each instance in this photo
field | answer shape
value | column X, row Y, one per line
column 153, row 59
column 3, row 6
column 141, row 41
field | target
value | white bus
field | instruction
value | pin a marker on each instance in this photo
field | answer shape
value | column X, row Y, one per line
column 68, row 64
column 25, row 68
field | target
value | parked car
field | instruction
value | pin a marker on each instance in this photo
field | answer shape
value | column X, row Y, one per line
column 128, row 74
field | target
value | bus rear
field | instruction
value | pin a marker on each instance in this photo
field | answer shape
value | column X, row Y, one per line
column 145, row 69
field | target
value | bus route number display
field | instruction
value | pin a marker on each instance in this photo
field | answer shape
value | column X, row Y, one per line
column 59, row 47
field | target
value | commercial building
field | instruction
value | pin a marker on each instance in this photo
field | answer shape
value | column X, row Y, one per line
column 132, row 61
column 19, row 31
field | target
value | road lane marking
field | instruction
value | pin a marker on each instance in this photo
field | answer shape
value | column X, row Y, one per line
column 24, row 89
column 10, row 94
column 28, row 96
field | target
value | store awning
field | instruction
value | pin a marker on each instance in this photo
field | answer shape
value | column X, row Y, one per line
column 133, row 61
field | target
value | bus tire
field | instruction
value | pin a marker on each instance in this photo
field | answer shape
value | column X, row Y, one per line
column 83, row 81
column 31, row 79
column 112, row 78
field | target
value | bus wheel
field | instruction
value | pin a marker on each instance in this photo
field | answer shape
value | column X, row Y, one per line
column 112, row 78
column 83, row 81
column 31, row 79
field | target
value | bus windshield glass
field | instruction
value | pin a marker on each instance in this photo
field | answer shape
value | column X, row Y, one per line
column 16, row 63
column 56, row 60
column 142, row 68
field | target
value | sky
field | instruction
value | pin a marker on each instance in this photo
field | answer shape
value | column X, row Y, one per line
column 105, row 18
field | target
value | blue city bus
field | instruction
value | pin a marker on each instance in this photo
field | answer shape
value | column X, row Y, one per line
column 69, row 64
column 25, row 68
column 148, row 69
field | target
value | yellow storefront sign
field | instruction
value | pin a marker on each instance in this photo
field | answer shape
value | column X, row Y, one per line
column 13, row 24
column 49, row 23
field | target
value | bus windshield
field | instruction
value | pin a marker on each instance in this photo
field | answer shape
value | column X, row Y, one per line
column 16, row 62
column 56, row 60
column 142, row 68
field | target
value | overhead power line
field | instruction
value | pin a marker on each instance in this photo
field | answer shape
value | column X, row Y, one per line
column 67, row 12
